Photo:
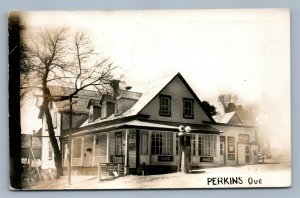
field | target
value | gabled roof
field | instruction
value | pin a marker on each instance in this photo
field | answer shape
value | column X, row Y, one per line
column 151, row 91
column 228, row 118
column 96, row 103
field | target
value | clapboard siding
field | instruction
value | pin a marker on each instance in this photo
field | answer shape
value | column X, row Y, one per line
column 177, row 90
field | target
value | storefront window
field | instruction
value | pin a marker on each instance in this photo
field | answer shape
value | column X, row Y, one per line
column 194, row 144
column 161, row 143
column 207, row 145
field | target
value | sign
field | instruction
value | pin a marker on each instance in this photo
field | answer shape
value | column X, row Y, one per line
column 231, row 148
column 231, row 157
column 206, row 159
column 231, row 139
column 131, row 138
column 163, row 158
column 244, row 138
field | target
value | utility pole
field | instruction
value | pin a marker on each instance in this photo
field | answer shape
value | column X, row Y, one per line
column 70, row 141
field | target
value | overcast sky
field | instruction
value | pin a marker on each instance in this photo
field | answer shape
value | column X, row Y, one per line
column 244, row 52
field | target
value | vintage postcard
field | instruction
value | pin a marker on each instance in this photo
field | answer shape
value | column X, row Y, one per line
column 150, row 99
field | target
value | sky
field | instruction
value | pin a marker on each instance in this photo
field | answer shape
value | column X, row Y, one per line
column 243, row 52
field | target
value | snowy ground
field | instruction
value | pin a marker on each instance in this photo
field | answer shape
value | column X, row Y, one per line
column 270, row 174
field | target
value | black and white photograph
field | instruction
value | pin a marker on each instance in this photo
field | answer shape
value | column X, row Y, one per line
column 152, row 99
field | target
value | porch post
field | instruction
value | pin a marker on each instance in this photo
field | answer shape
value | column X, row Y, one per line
column 149, row 145
column 82, row 142
column 94, row 150
column 72, row 149
column 126, row 152
column 107, row 147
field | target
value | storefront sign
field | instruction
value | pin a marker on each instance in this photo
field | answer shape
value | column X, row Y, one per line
column 244, row 138
column 206, row 159
column 231, row 139
column 162, row 158
column 231, row 157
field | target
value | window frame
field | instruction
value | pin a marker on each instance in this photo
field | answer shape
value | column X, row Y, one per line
column 162, row 143
column 169, row 106
column 207, row 145
column 186, row 116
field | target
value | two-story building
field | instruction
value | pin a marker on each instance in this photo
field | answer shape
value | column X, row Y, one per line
column 60, row 112
column 141, row 130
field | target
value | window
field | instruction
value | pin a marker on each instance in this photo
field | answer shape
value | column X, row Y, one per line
column 104, row 110
column 165, row 105
column 76, row 147
column 162, row 143
column 144, row 143
column 188, row 108
column 207, row 145
column 50, row 151
column 91, row 114
column 119, row 146
column 221, row 149
column 118, row 107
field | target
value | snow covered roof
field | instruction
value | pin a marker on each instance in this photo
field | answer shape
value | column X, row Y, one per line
column 196, row 128
column 227, row 118
column 82, row 101
column 143, row 99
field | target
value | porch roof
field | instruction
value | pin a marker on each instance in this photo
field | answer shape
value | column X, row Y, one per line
column 138, row 124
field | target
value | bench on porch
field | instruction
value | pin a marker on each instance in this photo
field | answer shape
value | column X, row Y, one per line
column 112, row 169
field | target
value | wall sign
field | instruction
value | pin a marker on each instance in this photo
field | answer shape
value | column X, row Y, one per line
column 244, row 138
column 231, row 157
column 231, row 139
column 163, row 158
column 231, row 148
column 206, row 159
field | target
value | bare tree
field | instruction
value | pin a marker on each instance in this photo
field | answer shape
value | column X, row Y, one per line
column 58, row 57
column 228, row 102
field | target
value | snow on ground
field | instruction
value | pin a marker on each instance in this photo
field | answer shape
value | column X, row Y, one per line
column 260, row 175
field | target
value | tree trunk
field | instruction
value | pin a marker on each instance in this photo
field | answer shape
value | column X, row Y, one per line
column 54, row 143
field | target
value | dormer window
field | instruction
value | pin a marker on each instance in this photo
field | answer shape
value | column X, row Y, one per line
column 91, row 113
column 118, row 107
column 104, row 110
column 165, row 105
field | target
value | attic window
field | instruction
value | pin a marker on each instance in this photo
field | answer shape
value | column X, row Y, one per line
column 188, row 108
column 165, row 105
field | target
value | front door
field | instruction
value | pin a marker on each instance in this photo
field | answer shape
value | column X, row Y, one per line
column 243, row 154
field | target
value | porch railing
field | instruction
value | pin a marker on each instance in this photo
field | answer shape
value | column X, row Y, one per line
column 86, row 161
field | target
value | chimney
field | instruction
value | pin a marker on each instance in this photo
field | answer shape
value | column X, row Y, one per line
column 115, row 85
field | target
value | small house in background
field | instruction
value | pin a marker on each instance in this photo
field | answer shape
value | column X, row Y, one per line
column 228, row 118
column 60, row 117
column 140, row 130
